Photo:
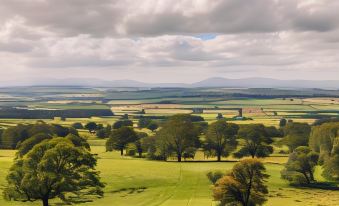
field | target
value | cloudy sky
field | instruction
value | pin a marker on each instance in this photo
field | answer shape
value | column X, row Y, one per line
column 168, row 40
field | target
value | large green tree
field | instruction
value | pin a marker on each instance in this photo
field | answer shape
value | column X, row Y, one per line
column 296, row 134
column 54, row 168
column 300, row 166
column 244, row 185
column 256, row 141
column 324, row 139
column 179, row 133
column 221, row 137
column 120, row 138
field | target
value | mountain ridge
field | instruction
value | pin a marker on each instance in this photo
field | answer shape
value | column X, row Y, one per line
column 253, row 82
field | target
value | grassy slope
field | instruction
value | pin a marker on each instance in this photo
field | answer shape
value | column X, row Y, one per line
column 140, row 182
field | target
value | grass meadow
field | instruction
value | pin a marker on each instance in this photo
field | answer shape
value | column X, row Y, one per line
column 140, row 182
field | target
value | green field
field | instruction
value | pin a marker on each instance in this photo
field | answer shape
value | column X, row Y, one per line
column 141, row 182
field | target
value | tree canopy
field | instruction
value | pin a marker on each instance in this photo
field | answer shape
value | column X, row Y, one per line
column 120, row 138
column 244, row 185
column 54, row 168
column 296, row 134
column 177, row 134
column 256, row 141
column 299, row 168
column 221, row 137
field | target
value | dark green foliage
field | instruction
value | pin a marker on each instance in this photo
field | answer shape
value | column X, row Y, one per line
column 282, row 123
column 144, row 122
column 177, row 134
column 331, row 165
column 152, row 126
column 274, row 132
column 323, row 139
column 122, row 123
column 140, row 143
column 25, row 146
column 296, row 134
column 214, row 176
column 299, row 168
column 256, row 141
column 120, row 138
column 220, row 116
column 221, row 137
column 195, row 118
column 54, row 168
column 244, row 185
column 78, row 141
column 15, row 135
column 13, row 113
column 319, row 122
column 77, row 125
column 101, row 133
column 91, row 126
column 131, row 149
column 104, row 132
column 125, row 117
column 189, row 153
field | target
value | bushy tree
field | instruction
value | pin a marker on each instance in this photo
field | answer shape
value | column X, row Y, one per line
column 13, row 136
column 177, row 134
column 54, row 168
column 282, row 123
column 139, row 144
column 244, row 185
column 152, row 126
column 122, row 123
column 25, row 146
column 220, row 116
column 221, row 137
column 77, row 125
column 323, row 139
column 91, row 126
column 300, row 166
column 120, row 138
column 331, row 165
column 296, row 134
column 256, row 141
column 213, row 177
column 143, row 122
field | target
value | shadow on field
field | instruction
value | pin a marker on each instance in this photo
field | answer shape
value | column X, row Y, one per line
column 322, row 186
column 129, row 191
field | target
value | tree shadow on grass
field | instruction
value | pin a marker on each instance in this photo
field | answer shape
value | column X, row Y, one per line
column 321, row 185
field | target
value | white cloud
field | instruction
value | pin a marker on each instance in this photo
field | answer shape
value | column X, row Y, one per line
column 155, row 40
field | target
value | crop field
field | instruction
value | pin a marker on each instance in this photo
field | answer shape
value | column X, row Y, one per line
column 141, row 182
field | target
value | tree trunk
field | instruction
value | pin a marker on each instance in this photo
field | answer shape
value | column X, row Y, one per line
column 45, row 201
column 249, row 191
column 219, row 157
column 140, row 154
column 306, row 177
column 311, row 175
column 179, row 157
column 121, row 152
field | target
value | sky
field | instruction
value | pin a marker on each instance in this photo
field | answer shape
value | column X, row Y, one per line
column 168, row 40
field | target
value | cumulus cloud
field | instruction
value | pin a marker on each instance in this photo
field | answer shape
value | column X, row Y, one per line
column 128, row 38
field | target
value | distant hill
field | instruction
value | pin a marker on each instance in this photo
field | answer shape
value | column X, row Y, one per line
column 211, row 82
column 266, row 83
